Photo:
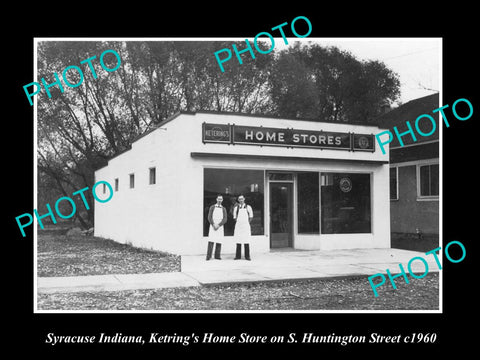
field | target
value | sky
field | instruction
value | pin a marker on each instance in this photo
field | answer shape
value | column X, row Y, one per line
column 417, row 61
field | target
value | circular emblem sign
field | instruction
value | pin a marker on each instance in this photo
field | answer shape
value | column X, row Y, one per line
column 345, row 184
column 363, row 142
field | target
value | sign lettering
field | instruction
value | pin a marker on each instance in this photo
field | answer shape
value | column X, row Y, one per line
column 254, row 135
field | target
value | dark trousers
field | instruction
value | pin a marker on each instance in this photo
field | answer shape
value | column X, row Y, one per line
column 238, row 252
column 218, row 249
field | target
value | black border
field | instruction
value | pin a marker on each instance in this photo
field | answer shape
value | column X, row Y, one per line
column 456, row 25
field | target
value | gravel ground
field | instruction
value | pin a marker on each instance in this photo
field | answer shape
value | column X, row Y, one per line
column 325, row 294
column 60, row 255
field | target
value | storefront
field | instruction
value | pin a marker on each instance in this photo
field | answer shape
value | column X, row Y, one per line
column 311, row 185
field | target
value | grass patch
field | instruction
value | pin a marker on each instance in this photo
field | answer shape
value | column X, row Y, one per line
column 321, row 294
column 60, row 255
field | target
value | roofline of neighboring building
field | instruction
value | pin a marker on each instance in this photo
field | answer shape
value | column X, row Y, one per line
column 375, row 119
column 418, row 143
column 182, row 112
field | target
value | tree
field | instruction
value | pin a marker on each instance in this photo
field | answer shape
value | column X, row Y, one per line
column 80, row 128
column 330, row 84
column 83, row 126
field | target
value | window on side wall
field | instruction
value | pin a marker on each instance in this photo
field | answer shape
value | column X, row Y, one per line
column 132, row 181
column 152, row 176
column 116, row 184
column 428, row 181
column 394, row 183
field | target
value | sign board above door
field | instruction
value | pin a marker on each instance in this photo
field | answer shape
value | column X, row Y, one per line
column 268, row 136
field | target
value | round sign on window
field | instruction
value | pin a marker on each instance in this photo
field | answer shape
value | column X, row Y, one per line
column 345, row 184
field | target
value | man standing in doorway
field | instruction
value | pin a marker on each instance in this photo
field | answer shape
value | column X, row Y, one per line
column 243, row 215
column 217, row 217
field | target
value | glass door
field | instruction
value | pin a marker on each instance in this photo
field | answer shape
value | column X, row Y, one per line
column 281, row 214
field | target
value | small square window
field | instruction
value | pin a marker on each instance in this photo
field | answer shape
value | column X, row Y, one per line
column 132, row 181
column 152, row 176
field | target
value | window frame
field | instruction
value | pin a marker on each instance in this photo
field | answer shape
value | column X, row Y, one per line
column 421, row 197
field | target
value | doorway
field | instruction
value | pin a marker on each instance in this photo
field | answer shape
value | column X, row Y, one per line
column 281, row 214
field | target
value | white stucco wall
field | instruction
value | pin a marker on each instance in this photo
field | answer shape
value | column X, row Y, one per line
column 168, row 215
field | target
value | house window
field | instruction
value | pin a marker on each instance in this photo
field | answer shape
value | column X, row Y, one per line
column 132, row 181
column 428, row 181
column 394, row 183
column 152, row 176
column 116, row 184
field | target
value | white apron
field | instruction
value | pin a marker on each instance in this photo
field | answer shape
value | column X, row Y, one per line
column 216, row 235
column 242, row 232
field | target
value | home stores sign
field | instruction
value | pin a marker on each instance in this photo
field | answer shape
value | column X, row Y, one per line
column 253, row 135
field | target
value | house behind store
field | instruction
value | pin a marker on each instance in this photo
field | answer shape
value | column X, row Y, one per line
column 414, row 172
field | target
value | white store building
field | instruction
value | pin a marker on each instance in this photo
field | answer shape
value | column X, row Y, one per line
column 311, row 185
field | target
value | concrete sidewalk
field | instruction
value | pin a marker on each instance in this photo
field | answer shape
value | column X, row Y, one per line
column 273, row 266
column 115, row 282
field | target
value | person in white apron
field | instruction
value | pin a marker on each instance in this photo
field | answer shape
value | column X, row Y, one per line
column 243, row 215
column 217, row 217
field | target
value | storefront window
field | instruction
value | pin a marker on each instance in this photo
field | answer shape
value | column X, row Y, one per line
column 308, row 203
column 230, row 184
column 345, row 201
